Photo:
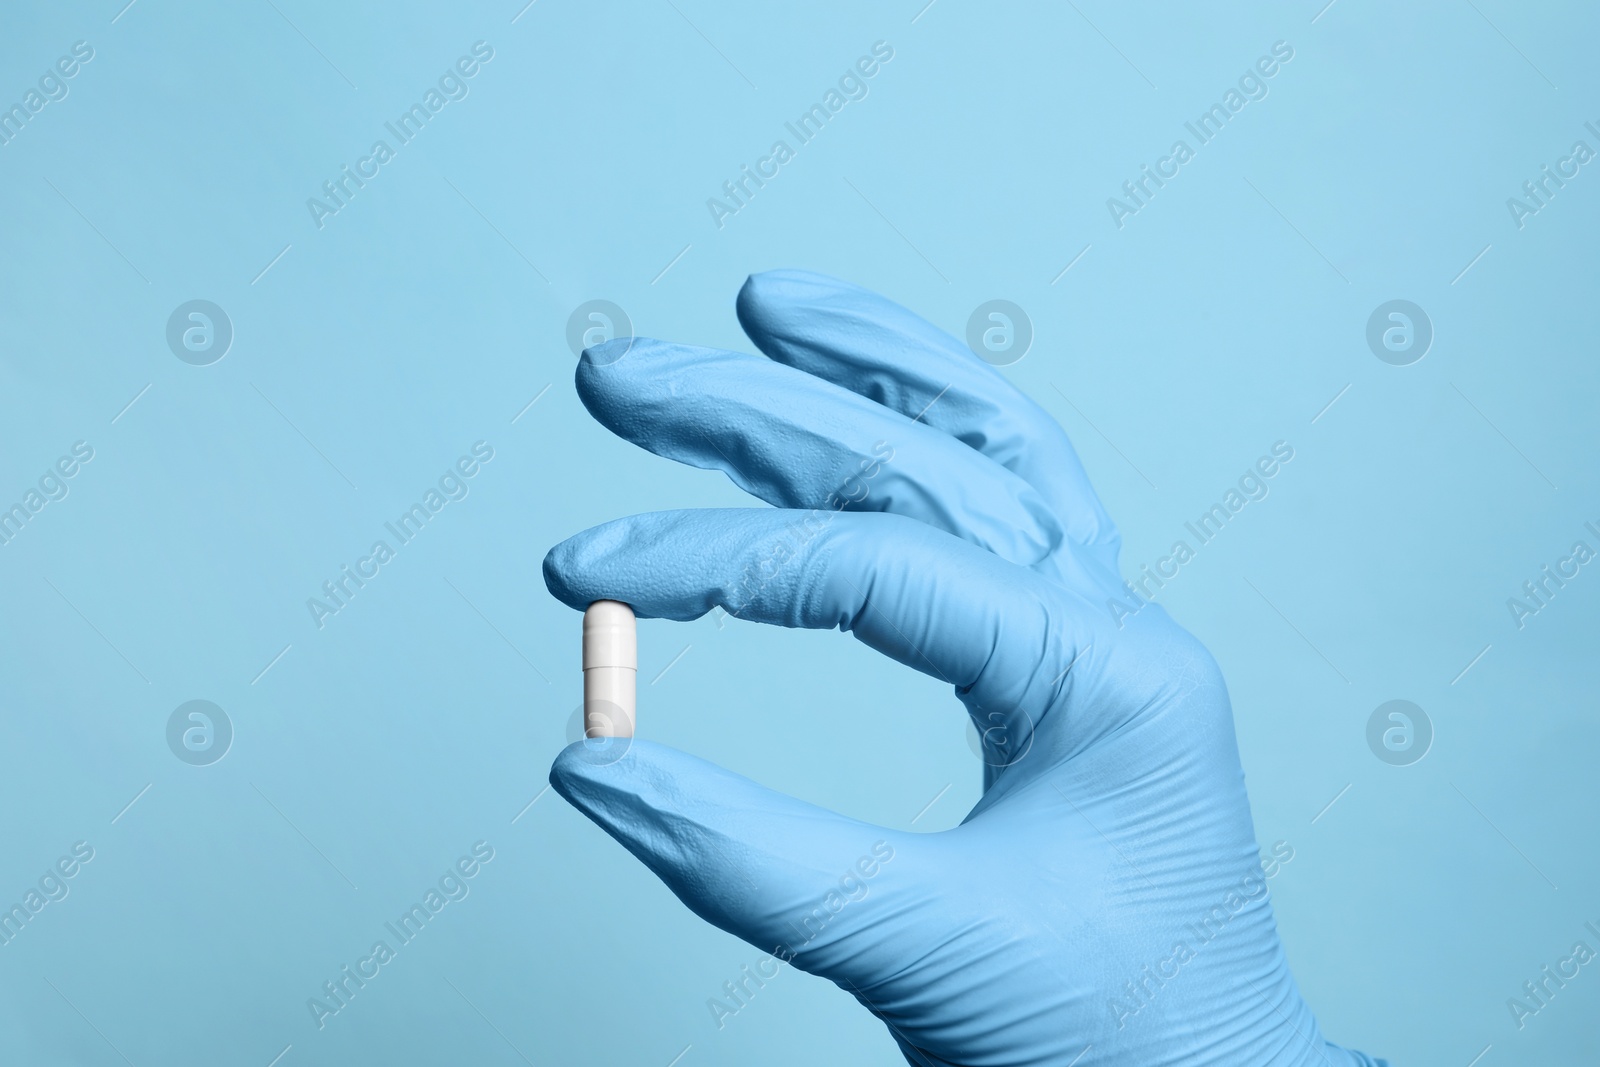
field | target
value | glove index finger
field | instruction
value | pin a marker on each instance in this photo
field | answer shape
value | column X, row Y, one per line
column 1000, row 634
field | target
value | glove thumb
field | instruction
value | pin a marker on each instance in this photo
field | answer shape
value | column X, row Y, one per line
column 801, row 882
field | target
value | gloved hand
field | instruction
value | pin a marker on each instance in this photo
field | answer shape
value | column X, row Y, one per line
column 1104, row 902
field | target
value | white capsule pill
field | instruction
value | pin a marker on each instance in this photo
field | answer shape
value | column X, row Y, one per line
column 610, row 669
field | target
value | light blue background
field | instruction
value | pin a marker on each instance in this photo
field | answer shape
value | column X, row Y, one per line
column 423, row 318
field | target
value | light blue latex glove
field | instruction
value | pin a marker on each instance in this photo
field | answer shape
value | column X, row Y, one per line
column 1104, row 903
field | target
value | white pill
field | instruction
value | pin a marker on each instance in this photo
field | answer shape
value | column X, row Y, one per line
column 610, row 669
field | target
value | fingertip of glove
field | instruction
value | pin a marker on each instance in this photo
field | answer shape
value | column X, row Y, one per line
column 605, row 367
column 593, row 759
column 556, row 564
column 562, row 771
column 581, row 771
column 790, row 282
column 571, row 567
column 628, row 384
column 765, row 299
column 609, row 353
column 570, row 769
column 613, row 781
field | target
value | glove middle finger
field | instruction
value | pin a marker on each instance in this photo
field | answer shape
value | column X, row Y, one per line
column 797, row 441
